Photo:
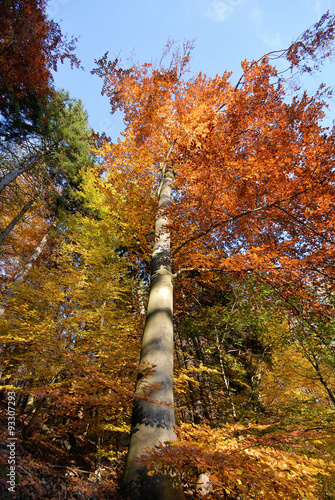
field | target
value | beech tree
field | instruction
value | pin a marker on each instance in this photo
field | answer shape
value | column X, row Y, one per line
column 216, row 211
column 241, row 176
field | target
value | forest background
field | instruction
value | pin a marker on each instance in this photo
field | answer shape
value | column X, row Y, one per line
column 233, row 177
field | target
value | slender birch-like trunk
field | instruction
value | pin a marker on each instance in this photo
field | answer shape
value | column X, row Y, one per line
column 22, row 275
column 225, row 377
column 153, row 413
column 197, row 408
column 17, row 219
column 23, row 167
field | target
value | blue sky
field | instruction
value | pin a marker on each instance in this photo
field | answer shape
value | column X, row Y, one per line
column 226, row 32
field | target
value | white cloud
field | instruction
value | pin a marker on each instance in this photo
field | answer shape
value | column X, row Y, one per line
column 256, row 15
column 219, row 11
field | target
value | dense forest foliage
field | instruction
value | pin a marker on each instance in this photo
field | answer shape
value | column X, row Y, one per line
column 209, row 226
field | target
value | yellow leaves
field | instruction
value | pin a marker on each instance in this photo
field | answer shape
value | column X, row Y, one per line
column 10, row 387
column 92, row 193
column 114, row 427
column 293, row 381
column 184, row 376
column 75, row 317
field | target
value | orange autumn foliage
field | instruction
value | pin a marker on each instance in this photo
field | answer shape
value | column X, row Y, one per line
column 254, row 461
column 254, row 171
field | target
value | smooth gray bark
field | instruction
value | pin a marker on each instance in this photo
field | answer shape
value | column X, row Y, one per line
column 23, row 167
column 153, row 413
column 22, row 275
column 16, row 219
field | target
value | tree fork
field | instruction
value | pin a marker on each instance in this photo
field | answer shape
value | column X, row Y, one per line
column 153, row 417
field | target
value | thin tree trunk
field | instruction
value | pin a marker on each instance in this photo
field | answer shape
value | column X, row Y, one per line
column 27, row 428
column 98, row 457
column 16, row 219
column 198, row 414
column 311, row 357
column 22, row 275
column 23, row 167
column 205, row 386
column 225, row 378
column 323, row 381
column 153, row 417
column 185, row 408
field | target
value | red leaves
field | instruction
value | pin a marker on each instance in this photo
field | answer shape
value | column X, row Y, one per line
column 30, row 45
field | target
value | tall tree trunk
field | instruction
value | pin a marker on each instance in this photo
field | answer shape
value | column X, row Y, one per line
column 17, row 219
column 23, row 167
column 22, row 275
column 153, row 417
